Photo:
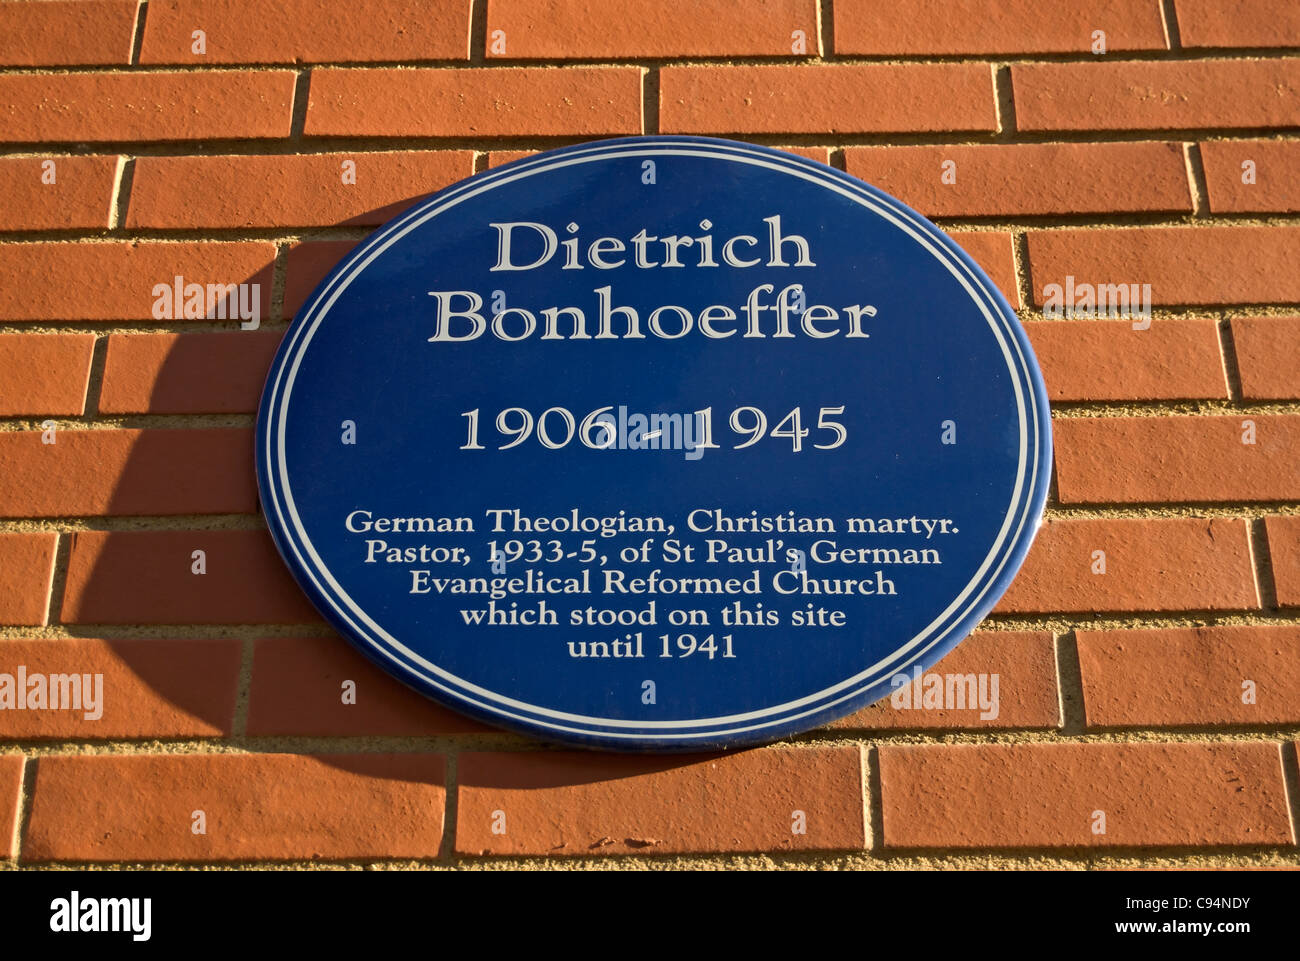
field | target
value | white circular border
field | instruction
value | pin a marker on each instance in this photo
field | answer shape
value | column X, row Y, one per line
column 279, row 391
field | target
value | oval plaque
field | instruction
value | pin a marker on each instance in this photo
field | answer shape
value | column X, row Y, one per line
column 655, row 443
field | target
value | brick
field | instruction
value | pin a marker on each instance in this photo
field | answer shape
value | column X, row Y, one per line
column 258, row 807
column 1001, row 180
column 1188, row 459
column 1190, row 676
column 1183, row 265
column 563, row 29
column 583, row 804
column 497, row 158
column 1266, row 349
column 44, row 373
column 306, row 31
column 298, row 690
column 1284, row 551
column 474, row 102
column 219, row 373
column 1107, row 360
column 145, row 106
column 1165, row 564
column 116, row 280
column 146, row 577
column 307, row 265
column 1244, row 23
column 1024, row 662
column 121, row 472
column 56, row 33
column 11, row 786
column 827, row 98
column 1157, row 95
column 287, row 191
column 26, row 572
column 149, row 687
column 1044, row 795
column 81, row 195
column 1012, row 26
column 820, row 154
column 994, row 251
column 1274, row 188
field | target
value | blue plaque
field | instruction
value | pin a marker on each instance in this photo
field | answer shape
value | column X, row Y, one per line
column 655, row 443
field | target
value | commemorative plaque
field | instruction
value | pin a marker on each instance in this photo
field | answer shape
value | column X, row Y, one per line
column 655, row 443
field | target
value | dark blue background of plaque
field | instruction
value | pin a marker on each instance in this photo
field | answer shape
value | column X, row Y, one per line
column 931, row 357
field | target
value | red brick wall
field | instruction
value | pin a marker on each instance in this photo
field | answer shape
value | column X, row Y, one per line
column 1122, row 692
